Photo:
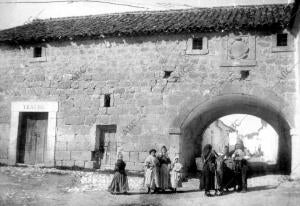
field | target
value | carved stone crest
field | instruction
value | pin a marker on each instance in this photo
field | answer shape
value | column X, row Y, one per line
column 238, row 48
column 239, row 51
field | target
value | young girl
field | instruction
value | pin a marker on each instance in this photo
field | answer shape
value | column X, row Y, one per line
column 119, row 183
column 176, row 177
column 152, row 171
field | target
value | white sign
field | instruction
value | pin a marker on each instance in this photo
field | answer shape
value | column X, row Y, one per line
column 34, row 106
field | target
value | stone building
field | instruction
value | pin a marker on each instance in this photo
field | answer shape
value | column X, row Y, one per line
column 216, row 134
column 76, row 91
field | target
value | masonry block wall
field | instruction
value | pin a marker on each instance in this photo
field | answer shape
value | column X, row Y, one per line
column 144, row 99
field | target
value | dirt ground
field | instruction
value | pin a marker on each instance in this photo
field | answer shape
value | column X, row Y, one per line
column 38, row 187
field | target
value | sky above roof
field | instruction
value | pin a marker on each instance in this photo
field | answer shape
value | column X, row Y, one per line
column 18, row 12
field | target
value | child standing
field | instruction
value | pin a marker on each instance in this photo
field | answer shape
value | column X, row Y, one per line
column 119, row 183
column 176, row 176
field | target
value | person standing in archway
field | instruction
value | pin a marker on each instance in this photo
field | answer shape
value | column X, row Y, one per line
column 240, row 165
column 225, row 171
column 209, row 168
column 164, row 171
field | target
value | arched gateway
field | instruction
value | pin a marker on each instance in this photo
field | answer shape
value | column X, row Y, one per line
column 191, row 124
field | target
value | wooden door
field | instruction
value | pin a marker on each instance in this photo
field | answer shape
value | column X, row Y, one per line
column 34, row 136
column 108, row 147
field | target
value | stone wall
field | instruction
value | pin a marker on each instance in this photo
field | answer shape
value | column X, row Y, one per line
column 4, row 139
column 145, row 101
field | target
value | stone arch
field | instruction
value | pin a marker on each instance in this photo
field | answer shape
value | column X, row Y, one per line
column 197, row 114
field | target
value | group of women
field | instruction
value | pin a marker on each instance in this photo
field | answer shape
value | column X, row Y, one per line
column 218, row 172
column 221, row 172
column 160, row 173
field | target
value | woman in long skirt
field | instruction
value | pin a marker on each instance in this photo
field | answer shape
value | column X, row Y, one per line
column 119, row 182
column 176, row 177
column 164, row 172
column 152, row 171
column 209, row 167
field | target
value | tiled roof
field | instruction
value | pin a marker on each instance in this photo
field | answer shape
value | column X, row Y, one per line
column 242, row 18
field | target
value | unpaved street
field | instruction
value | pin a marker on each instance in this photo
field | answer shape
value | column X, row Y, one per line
column 35, row 186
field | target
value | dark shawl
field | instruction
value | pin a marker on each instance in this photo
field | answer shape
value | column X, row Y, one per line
column 207, row 151
column 120, row 166
column 209, row 157
column 208, row 173
column 163, row 159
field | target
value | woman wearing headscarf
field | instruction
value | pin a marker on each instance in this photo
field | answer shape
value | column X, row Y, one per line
column 152, row 171
column 241, row 167
column 119, row 182
column 209, row 167
column 164, row 171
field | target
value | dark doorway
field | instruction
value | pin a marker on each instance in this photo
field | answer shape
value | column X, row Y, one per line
column 32, row 137
column 106, row 146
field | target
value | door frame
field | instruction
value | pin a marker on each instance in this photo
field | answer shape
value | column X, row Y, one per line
column 100, row 130
column 29, row 106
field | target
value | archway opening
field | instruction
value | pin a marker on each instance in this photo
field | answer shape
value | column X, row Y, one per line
column 200, row 119
column 258, row 138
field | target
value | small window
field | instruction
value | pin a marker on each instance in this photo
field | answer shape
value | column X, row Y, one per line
column 282, row 39
column 107, row 100
column 197, row 43
column 167, row 74
column 244, row 74
column 37, row 52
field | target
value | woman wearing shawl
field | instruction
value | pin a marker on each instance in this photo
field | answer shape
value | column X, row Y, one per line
column 208, row 175
column 119, row 183
column 164, row 171
column 176, row 177
column 152, row 171
column 225, row 175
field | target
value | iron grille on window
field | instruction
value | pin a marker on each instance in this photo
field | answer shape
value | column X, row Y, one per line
column 282, row 39
column 198, row 43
